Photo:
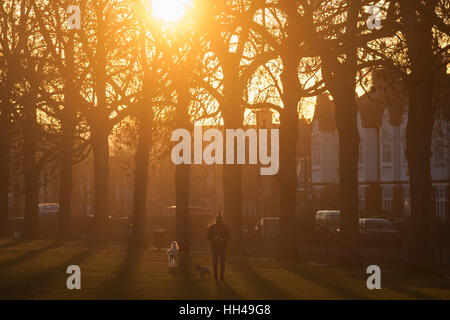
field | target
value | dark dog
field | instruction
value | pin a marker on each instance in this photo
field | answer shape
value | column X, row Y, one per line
column 204, row 271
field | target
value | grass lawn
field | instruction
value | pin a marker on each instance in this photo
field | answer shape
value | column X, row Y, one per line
column 37, row 270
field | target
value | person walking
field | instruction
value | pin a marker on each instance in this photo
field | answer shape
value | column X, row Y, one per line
column 219, row 235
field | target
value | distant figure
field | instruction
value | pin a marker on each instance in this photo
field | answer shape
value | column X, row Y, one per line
column 258, row 235
column 219, row 235
column 172, row 254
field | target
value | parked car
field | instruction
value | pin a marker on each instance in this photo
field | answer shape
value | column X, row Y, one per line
column 327, row 224
column 48, row 219
column 378, row 232
column 48, row 210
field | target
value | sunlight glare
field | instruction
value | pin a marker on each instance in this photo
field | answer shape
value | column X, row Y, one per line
column 169, row 10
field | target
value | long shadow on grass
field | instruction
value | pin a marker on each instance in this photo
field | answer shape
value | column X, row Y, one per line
column 226, row 291
column 116, row 288
column 322, row 278
column 29, row 286
column 251, row 276
column 30, row 254
column 431, row 282
column 398, row 281
column 188, row 283
column 12, row 242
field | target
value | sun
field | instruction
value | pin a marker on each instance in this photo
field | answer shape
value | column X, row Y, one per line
column 169, row 10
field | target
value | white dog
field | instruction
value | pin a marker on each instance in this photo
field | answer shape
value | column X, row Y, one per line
column 172, row 254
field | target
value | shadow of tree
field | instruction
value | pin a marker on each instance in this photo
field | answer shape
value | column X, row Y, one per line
column 188, row 283
column 397, row 281
column 32, row 285
column 226, row 291
column 321, row 278
column 13, row 242
column 265, row 287
column 30, row 254
column 117, row 287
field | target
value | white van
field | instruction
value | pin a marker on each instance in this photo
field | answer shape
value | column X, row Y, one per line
column 47, row 210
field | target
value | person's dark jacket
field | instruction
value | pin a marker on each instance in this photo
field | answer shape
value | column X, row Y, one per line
column 219, row 235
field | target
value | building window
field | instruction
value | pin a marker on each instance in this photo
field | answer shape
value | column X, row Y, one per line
column 315, row 154
column 387, row 199
column 441, row 201
column 405, row 159
column 439, row 154
column 361, row 153
column 407, row 201
column 362, row 200
column 387, row 152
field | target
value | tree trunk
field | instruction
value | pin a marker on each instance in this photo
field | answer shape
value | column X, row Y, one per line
column 233, row 115
column 420, row 83
column 182, row 172
column 232, row 187
column 340, row 78
column 65, row 183
column 422, row 250
column 288, row 186
column 5, row 133
column 139, row 231
column 100, row 130
column 31, row 169
column 101, row 176
column 288, row 161
column 232, row 190
column 68, row 122
column 346, row 121
column 182, row 205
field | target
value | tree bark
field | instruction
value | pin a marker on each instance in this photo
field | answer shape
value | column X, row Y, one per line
column 422, row 250
column 100, row 130
column 420, row 84
column 5, row 133
column 346, row 121
column 139, row 231
column 182, row 173
column 31, row 168
column 232, row 189
column 232, row 179
column 68, row 123
column 233, row 116
column 340, row 78
column 101, row 176
column 66, row 179
column 288, row 162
